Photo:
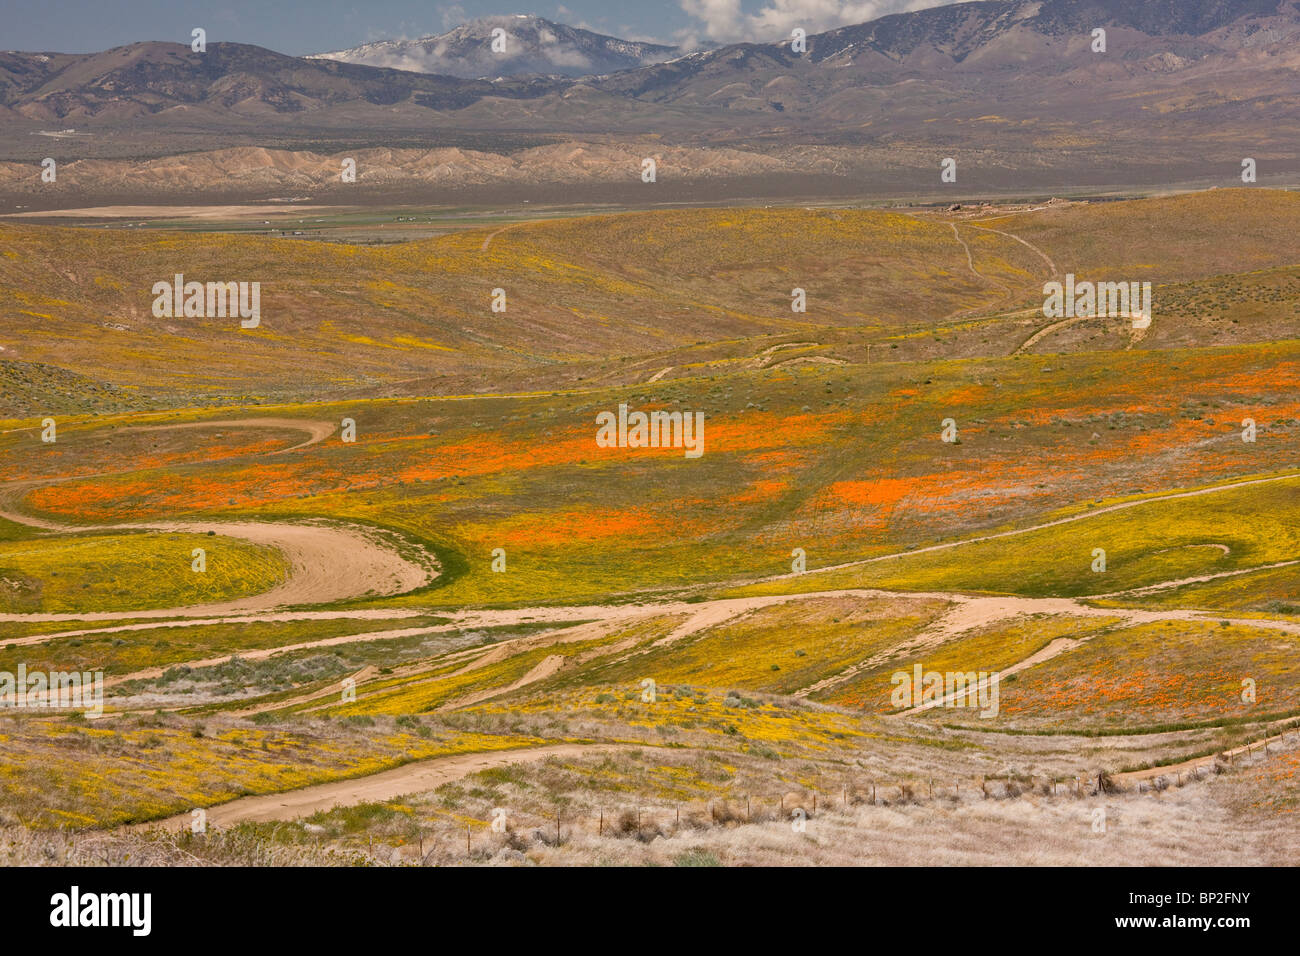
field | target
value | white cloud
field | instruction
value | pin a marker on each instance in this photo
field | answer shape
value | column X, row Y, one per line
column 725, row 21
column 452, row 16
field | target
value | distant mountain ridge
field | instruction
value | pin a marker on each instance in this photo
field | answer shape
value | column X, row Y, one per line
column 148, row 79
column 533, row 45
column 1000, row 42
column 1012, row 88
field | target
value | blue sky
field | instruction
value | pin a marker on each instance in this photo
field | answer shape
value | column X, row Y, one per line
column 314, row 26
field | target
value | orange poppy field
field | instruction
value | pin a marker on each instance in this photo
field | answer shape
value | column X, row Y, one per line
column 937, row 552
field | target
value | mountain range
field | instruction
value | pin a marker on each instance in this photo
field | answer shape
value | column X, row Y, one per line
column 526, row 45
column 1017, row 90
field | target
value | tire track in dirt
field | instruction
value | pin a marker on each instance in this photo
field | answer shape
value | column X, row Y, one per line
column 1024, row 242
column 1007, row 293
column 1069, row 519
column 317, row 431
column 1183, row 582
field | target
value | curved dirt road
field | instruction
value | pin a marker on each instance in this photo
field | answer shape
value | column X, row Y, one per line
column 416, row 777
column 328, row 561
column 317, row 431
column 1196, row 763
column 1056, row 522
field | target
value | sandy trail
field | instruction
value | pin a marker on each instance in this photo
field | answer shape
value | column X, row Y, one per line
column 969, row 612
column 11, row 491
column 970, row 259
column 972, row 612
column 809, row 360
column 970, row 262
column 1199, row 579
column 1048, row 330
column 1024, row 242
column 523, row 222
column 543, row 669
column 1195, row 763
column 967, row 615
column 476, row 659
column 762, row 358
column 488, row 240
column 328, row 562
column 1135, row 335
column 979, row 688
column 334, row 691
column 262, row 653
column 415, row 777
column 1081, row 516
column 317, row 431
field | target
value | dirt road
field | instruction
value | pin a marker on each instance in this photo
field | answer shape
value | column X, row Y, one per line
column 411, row 778
column 328, row 561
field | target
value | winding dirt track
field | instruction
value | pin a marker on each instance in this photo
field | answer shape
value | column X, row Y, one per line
column 1196, row 763
column 328, row 561
column 331, row 562
column 317, row 431
column 1024, row 242
column 410, row 778
column 1070, row 519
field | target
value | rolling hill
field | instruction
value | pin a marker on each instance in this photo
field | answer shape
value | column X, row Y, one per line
column 611, row 299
